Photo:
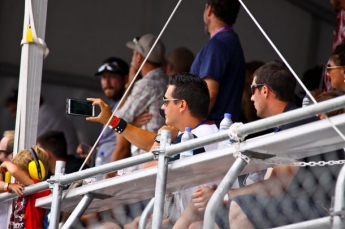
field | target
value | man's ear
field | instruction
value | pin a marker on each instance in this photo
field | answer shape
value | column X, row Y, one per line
column 265, row 91
column 209, row 10
column 183, row 105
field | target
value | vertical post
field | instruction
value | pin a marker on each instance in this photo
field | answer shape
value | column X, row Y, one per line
column 217, row 197
column 339, row 200
column 57, row 193
column 161, row 181
column 78, row 211
column 30, row 77
column 145, row 214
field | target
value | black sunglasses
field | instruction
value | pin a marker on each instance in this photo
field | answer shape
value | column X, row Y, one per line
column 253, row 86
column 5, row 151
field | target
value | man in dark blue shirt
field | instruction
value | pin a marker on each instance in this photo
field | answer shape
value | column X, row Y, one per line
column 221, row 62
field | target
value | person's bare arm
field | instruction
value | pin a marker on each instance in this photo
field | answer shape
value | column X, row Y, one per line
column 174, row 133
column 213, row 88
column 12, row 187
column 143, row 139
column 276, row 185
column 17, row 173
column 121, row 149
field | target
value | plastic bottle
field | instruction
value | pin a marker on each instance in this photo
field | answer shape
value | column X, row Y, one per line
column 187, row 135
column 99, row 159
column 98, row 162
column 224, row 126
column 306, row 101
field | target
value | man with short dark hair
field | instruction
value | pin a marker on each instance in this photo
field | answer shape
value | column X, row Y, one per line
column 291, row 194
column 183, row 108
column 221, row 61
column 54, row 143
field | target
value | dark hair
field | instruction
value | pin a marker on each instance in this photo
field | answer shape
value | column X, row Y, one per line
column 225, row 10
column 13, row 97
column 338, row 55
column 312, row 77
column 55, row 142
column 193, row 90
column 278, row 79
column 181, row 59
column 330, row 95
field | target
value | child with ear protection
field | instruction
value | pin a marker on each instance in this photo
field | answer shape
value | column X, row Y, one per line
column 28, row 167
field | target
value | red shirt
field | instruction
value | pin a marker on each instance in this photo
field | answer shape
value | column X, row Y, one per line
column 25, row 215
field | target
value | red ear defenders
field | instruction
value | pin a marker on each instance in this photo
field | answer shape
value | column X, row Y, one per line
column 36, row 167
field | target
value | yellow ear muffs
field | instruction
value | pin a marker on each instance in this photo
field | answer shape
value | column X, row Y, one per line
column 36, row 167
column 34, row 172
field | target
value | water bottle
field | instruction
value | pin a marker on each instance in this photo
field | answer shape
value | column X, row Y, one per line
column 187, row 135
column 306, row 101
column 224, row 126
column 99, row 161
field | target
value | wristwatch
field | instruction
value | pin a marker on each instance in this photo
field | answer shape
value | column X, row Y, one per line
column 6, row 187
column 157, row 138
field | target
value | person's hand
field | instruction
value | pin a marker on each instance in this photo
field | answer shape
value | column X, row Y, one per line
column 105, row 114
column 201, row 196
column 17, row 188
column 81, row 150
column 174, row 131
column 142, row 119
column 110, row 175
column 3, row 168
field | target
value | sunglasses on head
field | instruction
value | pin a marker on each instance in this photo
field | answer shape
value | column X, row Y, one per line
column 112, row 67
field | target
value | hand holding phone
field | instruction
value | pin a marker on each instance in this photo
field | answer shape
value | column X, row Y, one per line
column 80, row 107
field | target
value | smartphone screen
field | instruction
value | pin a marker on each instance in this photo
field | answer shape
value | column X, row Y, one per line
column 80, row 107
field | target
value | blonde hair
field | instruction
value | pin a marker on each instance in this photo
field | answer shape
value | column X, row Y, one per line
column 10, row 135
column 24, row 157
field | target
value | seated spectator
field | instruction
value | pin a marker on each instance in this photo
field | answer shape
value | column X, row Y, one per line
column 28, row 167
column 336, row 68
column 6, row 146
column 181, row 110
column 291, row 194
column 55, row 145
column 178, row 61
column 48, row 119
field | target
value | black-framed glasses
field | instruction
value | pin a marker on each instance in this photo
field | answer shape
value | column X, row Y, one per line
column 166, row 101
column 5, row 151
column 111, row 66
column 136, row 42
column 253, row 86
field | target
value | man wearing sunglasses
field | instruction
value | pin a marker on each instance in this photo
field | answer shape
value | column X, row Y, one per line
column 6, row 146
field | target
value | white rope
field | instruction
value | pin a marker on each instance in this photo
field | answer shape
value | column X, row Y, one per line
column 233, row 132
column 30, row 35
column 289, row 67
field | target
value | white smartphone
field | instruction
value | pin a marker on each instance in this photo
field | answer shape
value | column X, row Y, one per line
column 79, row 107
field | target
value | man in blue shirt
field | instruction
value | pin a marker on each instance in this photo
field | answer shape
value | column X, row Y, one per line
column 221, row 62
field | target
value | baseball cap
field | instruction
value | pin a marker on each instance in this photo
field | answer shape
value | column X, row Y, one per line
column 114, row 65
column 143, row 46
